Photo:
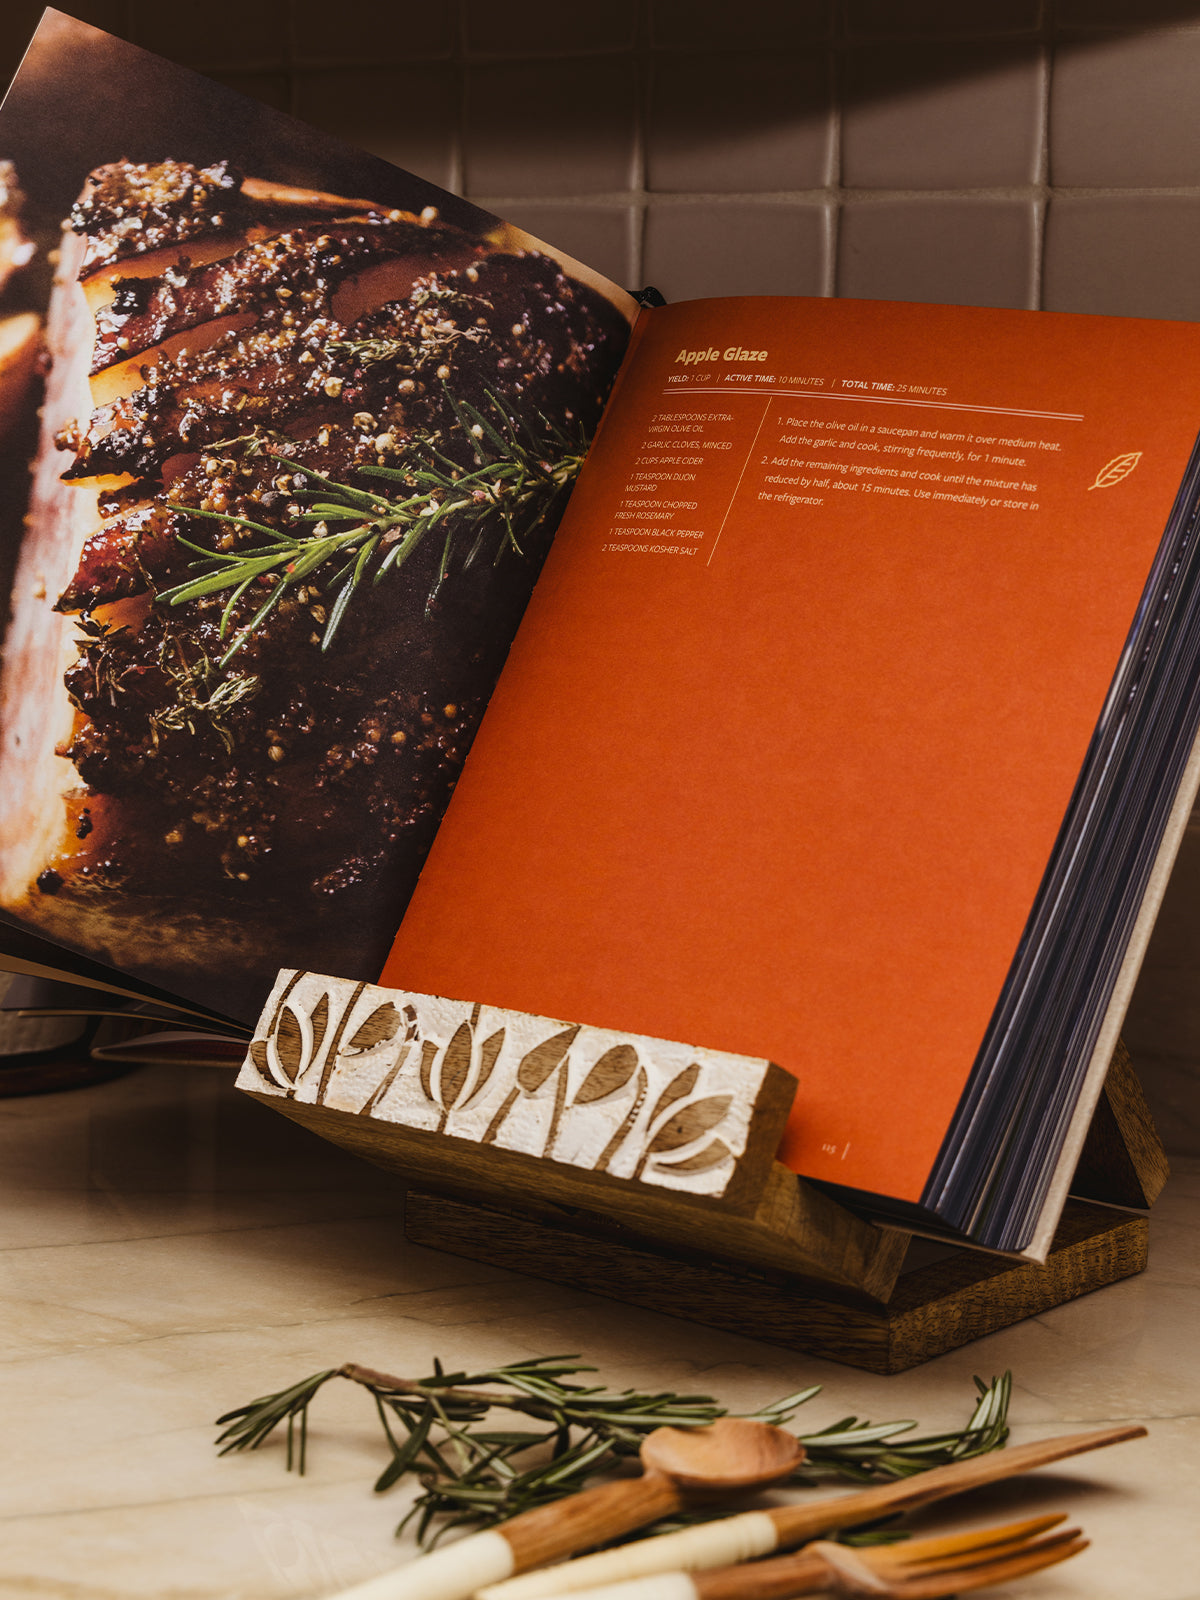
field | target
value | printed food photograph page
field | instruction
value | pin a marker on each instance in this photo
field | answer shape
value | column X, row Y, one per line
column 785, row 744
column 307, row 424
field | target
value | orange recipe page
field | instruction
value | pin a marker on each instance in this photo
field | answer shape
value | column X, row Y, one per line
column 781, row 750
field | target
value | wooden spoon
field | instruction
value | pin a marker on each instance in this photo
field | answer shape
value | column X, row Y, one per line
column 729, row 1456
column 759, row 1533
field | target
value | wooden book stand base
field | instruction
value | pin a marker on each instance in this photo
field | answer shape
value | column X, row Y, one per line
column 644, row 1170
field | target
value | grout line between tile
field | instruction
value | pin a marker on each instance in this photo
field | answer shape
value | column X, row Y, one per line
column 1041, row 176
column 458, row 136
column 833, row 216
column 836, row 40
column 643, row 88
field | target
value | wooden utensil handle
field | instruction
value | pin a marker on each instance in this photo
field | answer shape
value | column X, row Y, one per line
column 590, row 1518
column 796, row 1524
column 454, row 1573
column 768, row 1580
column 706, row 1544
column 803, row 1573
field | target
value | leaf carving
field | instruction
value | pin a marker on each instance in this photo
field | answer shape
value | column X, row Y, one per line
column 498, row 1121
column 331, row 1055
column 612, row 1072
column 488, row 1052
column 289, row 1043
column 631, row 1116
column 456, row 1064
column 258, row 1054
column 1116, row 469
column 381, row 1025
column 680, row 1085
column 714, row 1152
column 540, row 1062
column 689, row 1123
column 428, row 1056
column 389, row 1077
column 319, row 1021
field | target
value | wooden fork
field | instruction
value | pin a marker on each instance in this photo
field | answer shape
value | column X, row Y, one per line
column 717, row 1544
column 918, row 1569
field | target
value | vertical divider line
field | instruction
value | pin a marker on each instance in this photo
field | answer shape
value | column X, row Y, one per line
column 741, row 475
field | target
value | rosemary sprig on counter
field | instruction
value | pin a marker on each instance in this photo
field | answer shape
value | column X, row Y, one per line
column 475, row 1476
column 515, row 479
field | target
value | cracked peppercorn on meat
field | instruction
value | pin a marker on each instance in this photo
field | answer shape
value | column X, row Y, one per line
column 203, row 787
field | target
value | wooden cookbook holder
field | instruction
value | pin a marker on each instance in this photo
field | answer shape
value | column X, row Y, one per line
column 645, row 1170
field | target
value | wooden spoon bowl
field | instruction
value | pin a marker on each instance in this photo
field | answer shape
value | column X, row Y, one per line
column 733, row 1454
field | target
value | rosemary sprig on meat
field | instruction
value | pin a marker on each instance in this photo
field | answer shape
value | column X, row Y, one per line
column 476, row 1476
column 363, row 533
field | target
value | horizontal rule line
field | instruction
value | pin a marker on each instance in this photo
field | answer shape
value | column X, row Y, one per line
column 884, row 400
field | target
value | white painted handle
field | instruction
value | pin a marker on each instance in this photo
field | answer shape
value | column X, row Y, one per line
column 665, row 1586
column 450, row 1574
column 709, row 1544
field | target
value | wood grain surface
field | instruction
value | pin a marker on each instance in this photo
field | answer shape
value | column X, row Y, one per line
column 934, row 1308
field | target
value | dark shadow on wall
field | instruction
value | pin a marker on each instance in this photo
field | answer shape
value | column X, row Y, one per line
column 531, row 86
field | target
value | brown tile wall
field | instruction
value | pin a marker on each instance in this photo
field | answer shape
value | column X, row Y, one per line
column 1002, row 152
column 1041, row 153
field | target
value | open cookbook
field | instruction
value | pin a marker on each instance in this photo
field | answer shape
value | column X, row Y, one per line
column 830, row 670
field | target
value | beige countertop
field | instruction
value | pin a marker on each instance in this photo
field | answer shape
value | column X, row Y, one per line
column 169, row 1249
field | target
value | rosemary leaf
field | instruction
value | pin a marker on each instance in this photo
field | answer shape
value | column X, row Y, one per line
column 473, row 1476
column 515, row 479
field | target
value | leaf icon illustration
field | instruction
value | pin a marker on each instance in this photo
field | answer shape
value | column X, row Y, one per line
column 541, row 1061
column 612, row 1072
column 689, row 1123
column 488, row 1053
column 381, row 1025
column 1119, row 467
column 714, row 1152
column 680, row 1085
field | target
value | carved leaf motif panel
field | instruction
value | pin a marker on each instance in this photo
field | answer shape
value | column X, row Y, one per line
column 652, row 1110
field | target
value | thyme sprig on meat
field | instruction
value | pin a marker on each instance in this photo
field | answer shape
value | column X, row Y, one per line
column 473, row 1473
column 202, row 699
column 514, row 478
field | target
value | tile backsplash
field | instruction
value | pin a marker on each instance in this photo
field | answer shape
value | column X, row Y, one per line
column 1037, row 153
column 1041, row 153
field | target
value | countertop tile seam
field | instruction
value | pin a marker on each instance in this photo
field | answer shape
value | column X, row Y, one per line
column 197, row 1233
column 337, row 1314
column 353, row 1480
column 499, row 1275
column 24, row 1586
column 224, row 1330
